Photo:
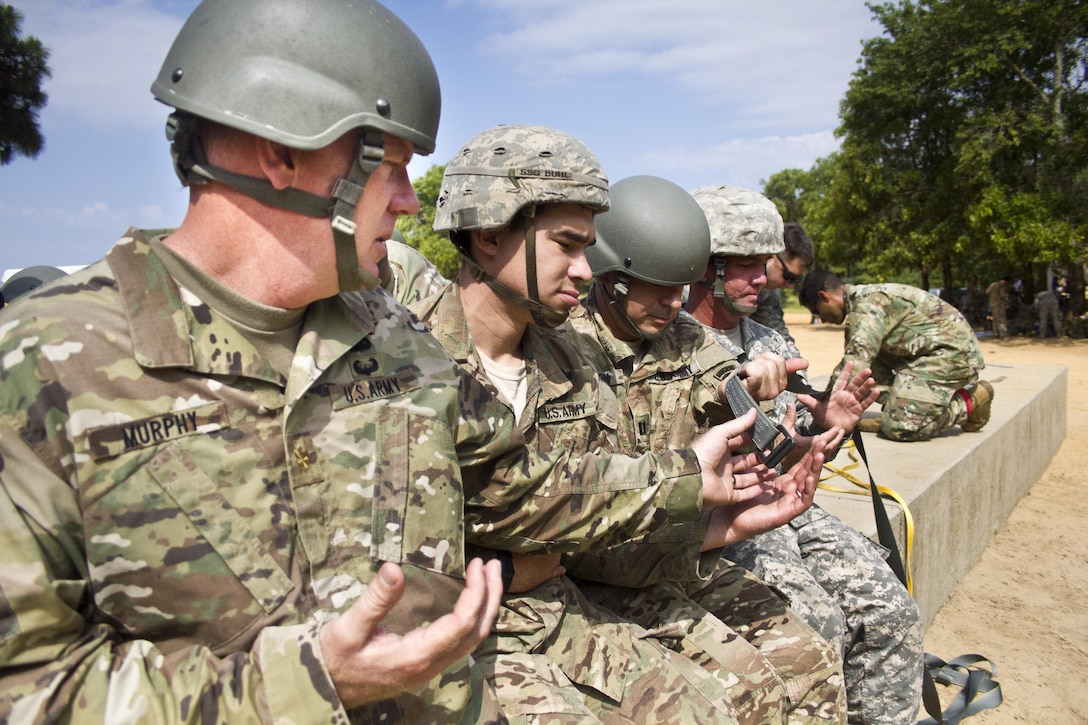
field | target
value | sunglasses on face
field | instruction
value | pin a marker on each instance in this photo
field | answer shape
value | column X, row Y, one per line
column 787, row 274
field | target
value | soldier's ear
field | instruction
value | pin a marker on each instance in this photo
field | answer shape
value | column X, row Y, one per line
column 484, row 243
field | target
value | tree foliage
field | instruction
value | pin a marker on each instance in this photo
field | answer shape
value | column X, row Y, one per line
column 963, row 143
column 23, row 68
column 419, row 229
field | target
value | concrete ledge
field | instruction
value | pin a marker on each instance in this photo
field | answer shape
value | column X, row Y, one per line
column 959, row 487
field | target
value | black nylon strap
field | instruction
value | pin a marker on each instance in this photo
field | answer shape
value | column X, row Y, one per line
column 764, row 432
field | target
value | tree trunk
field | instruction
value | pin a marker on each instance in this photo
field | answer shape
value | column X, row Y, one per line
column 1075, row 288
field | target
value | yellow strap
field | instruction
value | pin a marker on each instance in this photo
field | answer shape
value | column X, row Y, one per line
column 865, row 491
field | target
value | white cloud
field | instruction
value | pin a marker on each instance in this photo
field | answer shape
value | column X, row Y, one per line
column 769, row 61
column 104, row 54
column 745, row 161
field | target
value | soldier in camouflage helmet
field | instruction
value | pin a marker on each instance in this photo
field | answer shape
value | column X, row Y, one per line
column 236, row 474
column 519, row 202
column 833, row 576
column 921, row 349
column 499, row 179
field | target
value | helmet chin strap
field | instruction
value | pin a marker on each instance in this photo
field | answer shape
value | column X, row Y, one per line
column 615, row 300
column 192, row 167
column 719, row 290
column 542, row 315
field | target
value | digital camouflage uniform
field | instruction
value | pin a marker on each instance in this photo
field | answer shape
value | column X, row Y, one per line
column 178, row 517
column 413, row 275
column 769, row 313
column 553, row 655
column 920, row 348
column 839, row 581
column 719, row 614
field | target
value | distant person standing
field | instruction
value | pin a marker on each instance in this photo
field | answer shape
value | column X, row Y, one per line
column 997, row 294
column 784, row 269
column 1046, row 304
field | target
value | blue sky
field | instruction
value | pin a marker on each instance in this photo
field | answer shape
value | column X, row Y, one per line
column 697, row 91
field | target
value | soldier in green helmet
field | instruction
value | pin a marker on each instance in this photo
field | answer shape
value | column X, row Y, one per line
column 671, row 378
column 236, row 473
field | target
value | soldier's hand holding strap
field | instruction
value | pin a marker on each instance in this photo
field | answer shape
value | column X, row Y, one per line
column 714, row 449
column 766, row 375
column 787, row 496
column 368, row 663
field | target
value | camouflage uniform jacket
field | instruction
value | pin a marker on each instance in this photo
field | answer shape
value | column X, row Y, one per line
column 664, row 403
column 769, row 313
column 896, row 327
column 413, row 275
column 177, row 518
column 759, row 339
column 574, row 415
column 568, row 409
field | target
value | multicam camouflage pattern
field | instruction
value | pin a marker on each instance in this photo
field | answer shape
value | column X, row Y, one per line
column 920, row 347
column 554, row 656
column 178, row 517
column 414, row 276
column 742, row 222
column 504, row 169
column 839, row 581
column 714, row 612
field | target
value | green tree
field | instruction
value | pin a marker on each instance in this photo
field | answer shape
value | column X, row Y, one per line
column 963, row 140
column 419, row 229
column 23, row 67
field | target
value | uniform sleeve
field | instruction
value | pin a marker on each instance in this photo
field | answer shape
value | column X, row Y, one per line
column 673, row 554
column 59, row 663
column 867, row 325
column 538, row 503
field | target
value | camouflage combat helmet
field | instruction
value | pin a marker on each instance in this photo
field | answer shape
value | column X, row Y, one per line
column 303, row 75
column 503, row 170
column 510, row 170
column 743, row 223
column 654, row 231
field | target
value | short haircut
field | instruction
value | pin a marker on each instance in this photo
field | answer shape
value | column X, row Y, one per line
column 820, row 280
column 798, row 245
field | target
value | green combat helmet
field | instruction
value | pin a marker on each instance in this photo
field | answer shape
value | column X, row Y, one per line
column 743, row 223
column 27, row 279
column 654, row 231
column 303, row 75
column 510, row 170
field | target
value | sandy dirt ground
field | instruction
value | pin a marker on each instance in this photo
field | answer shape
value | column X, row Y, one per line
column 1024, row 605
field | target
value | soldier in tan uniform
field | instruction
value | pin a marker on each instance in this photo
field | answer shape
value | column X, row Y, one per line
column 237, row 475
column 997, row 296
column 519, row 202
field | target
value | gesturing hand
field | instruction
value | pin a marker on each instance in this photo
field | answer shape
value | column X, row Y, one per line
column 367, row 662
column 849, row 398
column 787, row 496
